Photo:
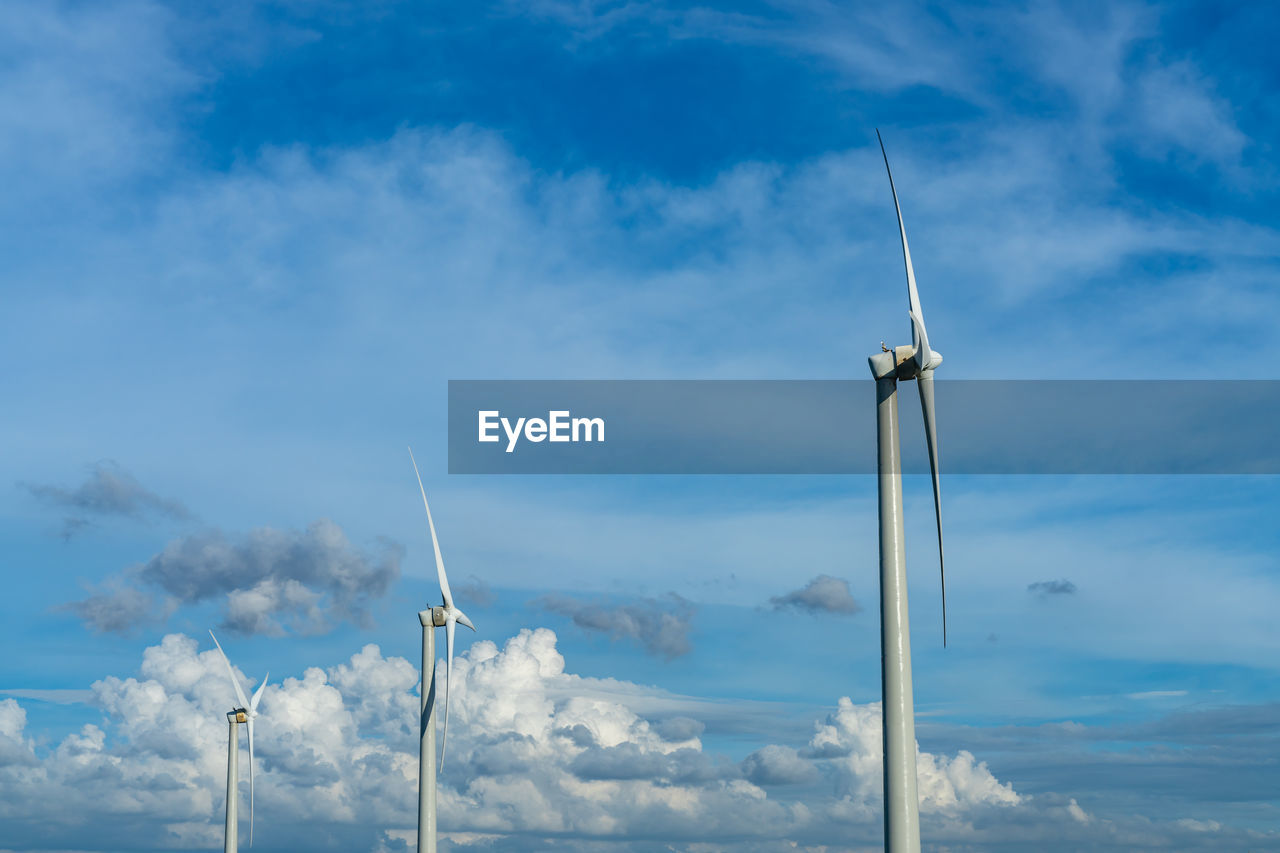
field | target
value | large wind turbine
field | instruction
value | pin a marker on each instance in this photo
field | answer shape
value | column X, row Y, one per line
column 917, row 361
column 244, row 713
column 447, row 616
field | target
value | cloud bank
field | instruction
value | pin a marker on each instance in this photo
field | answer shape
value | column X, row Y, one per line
column 541, row 759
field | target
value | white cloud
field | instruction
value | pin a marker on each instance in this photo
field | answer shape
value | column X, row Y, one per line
column 851, row 738
column 539, row 758
column 15, row 749
column 82, row 94
column 1180, row 112
column 778, row 765
column 533, row 750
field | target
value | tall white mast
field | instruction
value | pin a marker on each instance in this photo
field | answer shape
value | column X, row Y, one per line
column 917, row 361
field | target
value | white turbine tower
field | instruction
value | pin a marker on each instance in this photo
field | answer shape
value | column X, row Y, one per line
column 917, row 361
column 245, row 712
column 447, row 616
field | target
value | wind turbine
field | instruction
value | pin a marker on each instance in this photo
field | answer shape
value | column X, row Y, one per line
column 917, row 361
column 447, row 616
column 244, row 713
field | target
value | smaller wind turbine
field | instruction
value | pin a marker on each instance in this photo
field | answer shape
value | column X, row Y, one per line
column 245, row 713
column 447, row 617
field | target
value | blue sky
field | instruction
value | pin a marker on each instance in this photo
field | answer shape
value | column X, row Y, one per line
column 245, row 249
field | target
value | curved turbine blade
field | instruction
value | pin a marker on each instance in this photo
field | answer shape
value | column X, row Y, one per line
column 925, row 381
column 235, row 682
column 913, row 297
column 435, row 543
column 450, row 625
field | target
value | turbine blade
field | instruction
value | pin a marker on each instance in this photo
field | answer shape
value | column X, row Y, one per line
column 913, row 297
column 450, row 625
column 257, row 695
column 462, row 618
column 253, row 712
column 435, row 543
column 925, row 381
column 235, row 682
column 250, row 725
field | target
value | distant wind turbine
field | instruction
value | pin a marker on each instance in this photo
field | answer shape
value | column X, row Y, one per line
column 447, row 616
column 917, row 361
column 244, row 713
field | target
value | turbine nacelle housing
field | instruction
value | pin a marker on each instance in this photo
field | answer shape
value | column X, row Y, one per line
column 901, row 363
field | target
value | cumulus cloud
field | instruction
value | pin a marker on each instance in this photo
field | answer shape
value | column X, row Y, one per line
column 270, row 580
column 660, row 626
column 778, row 765
column 1047, row 588
column 851, row 740
column 157, row 767
column 15, row 749
column 679, row 728
column 542, row 759
column 108, row 490
column 823, row 594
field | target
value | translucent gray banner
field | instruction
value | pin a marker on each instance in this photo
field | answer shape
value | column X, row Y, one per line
column 829, row 427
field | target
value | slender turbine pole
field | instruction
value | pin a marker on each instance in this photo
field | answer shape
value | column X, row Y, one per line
column 427, row 736
column 231, row 841
column 901, row 801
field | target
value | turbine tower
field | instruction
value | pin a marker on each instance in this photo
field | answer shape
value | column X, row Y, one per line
column 447, row 617
column 917, row 361
column 243, row 714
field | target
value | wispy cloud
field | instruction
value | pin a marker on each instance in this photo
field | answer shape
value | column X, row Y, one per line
column 1156, row 694
column 1046, row 588
column 109, row 490
column 475, row 591
column 659, row 625
column 56, row 696
column 117, row 606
